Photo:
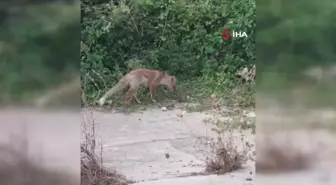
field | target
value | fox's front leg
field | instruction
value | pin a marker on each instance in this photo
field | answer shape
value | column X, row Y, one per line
column 152, row 88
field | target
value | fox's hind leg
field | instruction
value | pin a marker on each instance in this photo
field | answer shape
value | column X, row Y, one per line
column 135, row 84
column 152, row 89
column 129, row 96
column 135, row 97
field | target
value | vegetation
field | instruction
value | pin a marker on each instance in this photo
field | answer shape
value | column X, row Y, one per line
column 39, row 45
column 182, row 37
column 292, row 37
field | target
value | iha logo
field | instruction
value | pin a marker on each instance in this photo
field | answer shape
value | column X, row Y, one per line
column 227, row 34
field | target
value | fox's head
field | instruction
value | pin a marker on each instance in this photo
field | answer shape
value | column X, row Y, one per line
column 169, row 81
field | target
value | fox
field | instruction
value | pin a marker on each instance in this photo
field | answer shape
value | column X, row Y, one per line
column 140, row 77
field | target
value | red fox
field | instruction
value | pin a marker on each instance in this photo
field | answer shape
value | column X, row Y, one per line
column 135, row 78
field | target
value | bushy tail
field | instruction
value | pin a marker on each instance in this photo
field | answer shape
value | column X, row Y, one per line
column 118, row 87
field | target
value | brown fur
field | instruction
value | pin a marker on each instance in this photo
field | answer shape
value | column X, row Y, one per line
column 135, row 78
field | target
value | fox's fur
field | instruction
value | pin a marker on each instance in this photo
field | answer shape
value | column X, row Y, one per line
column 135, row 78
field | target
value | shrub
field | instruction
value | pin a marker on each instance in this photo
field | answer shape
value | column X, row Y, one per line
column 182, row 37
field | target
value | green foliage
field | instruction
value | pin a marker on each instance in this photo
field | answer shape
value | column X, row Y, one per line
column 38, row 48
column 182, row 37
column 294, row 35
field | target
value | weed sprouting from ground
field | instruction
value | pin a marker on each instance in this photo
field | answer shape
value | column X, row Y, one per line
column 226, row 157
column 93, row 173
column 92, row 170
column 229, row 152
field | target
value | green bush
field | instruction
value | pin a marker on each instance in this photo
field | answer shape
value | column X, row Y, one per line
column 182, row 37
column 38, row 48
column 292, row 36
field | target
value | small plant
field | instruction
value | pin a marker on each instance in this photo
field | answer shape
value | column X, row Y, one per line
column 226, row 157
column 93, row 173
column 92, row 170
column 229, row 153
